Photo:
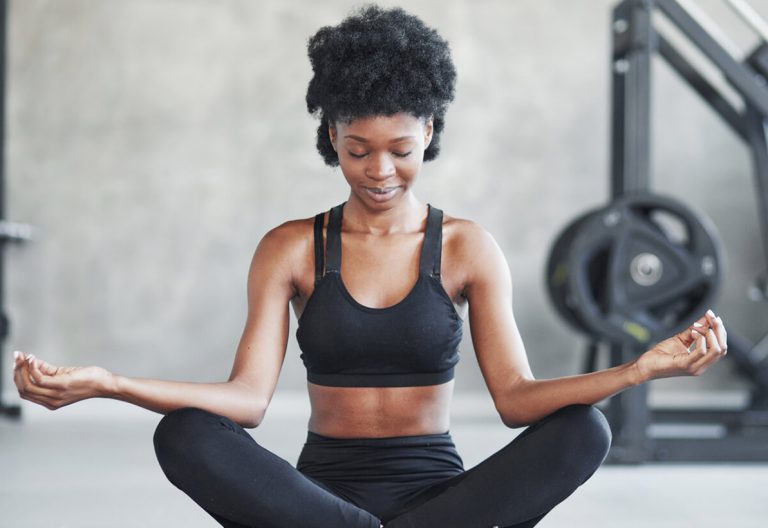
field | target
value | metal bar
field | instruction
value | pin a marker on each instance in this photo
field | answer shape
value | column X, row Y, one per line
column 710, row 27
column 614, row 411
column 631, row 444
column 758, row 141
column 633, row 43
column 732, row 418
column 751, row 17
column 590, row 358
column 727, row 449
column 8, row 410
column 741, row 77
column 702, row 86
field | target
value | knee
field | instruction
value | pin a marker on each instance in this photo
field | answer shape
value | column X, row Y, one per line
column 588, row 422
column 176, row 433
column 587, row 436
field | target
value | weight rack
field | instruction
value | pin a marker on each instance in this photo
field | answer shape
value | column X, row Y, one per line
column 635, row 41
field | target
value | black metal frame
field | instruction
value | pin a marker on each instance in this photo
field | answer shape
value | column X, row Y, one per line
column 9, row 231
column 13, row 411
column 635, row 41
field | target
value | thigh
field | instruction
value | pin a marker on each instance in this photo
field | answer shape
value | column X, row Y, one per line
column 519, row 484
column 225, row 471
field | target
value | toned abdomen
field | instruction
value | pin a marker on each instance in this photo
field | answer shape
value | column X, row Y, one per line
column 375, row 412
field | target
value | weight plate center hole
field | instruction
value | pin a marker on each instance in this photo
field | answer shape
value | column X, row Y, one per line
column 646, row 269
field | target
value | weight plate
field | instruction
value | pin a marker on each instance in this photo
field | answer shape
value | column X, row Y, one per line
column 557, row 272
column 638, row 270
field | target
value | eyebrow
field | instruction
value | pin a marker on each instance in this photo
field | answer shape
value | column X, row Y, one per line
column 363, row 140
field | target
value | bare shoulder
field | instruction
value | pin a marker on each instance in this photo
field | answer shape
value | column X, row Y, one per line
column 287, row 238
column 474, row 251
column 468, row 240
column 282, row 251
column 290, row 232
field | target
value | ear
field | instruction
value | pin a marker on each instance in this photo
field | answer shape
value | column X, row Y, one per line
column 332, row 135
column 428, row 131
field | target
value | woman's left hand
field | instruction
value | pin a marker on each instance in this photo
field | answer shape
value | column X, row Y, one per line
column 676, row 356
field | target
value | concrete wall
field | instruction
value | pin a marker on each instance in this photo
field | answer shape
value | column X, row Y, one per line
column 153, row 142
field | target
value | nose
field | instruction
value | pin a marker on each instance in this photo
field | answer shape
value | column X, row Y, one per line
column 380, row 167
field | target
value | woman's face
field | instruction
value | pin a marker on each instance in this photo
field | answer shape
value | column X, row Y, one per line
column 381, row 156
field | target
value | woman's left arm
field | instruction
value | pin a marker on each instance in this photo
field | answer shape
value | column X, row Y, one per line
column 521, row 399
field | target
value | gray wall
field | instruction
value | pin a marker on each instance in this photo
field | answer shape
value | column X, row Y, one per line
column 153, row 143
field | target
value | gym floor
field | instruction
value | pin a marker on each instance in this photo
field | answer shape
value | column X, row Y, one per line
column 92, row 465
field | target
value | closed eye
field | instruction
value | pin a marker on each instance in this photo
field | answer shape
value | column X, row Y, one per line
column 397, row 154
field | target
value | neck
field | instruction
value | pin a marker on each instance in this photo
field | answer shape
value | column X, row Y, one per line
column 406, row 215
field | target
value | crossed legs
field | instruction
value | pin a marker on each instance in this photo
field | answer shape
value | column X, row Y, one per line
column 242, row 484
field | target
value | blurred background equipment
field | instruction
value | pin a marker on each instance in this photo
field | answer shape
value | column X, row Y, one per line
column 636, row 271
column 9, row 231
column 644, row 266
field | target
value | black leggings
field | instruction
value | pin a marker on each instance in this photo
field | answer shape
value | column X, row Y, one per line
column 402, row 482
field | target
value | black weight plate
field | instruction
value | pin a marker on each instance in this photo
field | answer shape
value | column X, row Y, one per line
column 642, row 268
column 557, row 271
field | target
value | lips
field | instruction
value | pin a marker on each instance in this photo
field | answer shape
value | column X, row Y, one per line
column 381, row 194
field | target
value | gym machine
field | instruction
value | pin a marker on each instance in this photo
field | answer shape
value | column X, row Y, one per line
column 644, row 266
column 9, row 231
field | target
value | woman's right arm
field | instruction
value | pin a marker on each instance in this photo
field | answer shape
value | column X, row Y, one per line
column 243, row 398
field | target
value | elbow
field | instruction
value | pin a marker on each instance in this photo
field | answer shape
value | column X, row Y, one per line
column 509, row 414
column 254, row 414
column 250, row 406
column 511, row 407
column 250, row 423
column 248, row 411
column 512, row 420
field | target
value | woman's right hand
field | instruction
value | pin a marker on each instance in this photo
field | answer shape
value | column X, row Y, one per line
column 54, row 387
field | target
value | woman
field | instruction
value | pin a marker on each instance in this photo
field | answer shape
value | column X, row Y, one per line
column 380, row 339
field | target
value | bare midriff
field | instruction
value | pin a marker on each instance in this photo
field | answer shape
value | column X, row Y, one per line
column 377, row 412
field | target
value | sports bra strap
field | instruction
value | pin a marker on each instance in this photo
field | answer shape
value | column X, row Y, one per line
column 429, row 259
column 429, row 262
column 333, row 243
column 319, row 246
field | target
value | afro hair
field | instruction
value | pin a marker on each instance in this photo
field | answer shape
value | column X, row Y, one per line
column 379, row 62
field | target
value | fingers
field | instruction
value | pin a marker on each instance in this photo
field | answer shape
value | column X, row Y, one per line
column 702, row 324
column 49, row 403
column 40, row 378
column 707, row 342
column 19, row 358
column 722, row 335
column 40, row 382
column 42, row 370
column 717, row 337
column 696, row 334
column 31, row 383
column 26, row 377
column 47, row 368
column 688, row 336
column 697, row 350
column 708, row 351
column 17, row 378
column 701, row 320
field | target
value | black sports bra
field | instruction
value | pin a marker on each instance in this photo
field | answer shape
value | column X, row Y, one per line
column 412, row 343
